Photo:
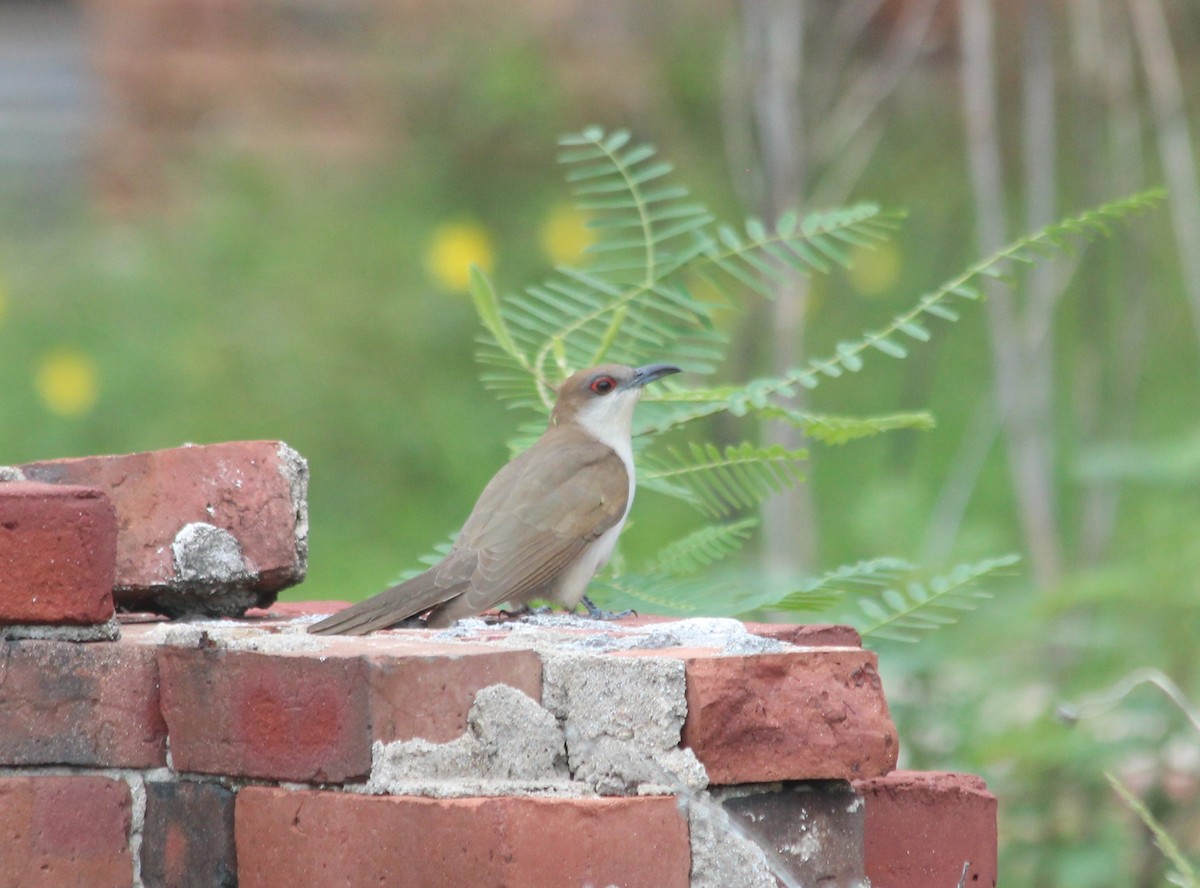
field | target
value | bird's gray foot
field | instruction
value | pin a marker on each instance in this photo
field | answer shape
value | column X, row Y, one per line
column 596, row 613
column 516, row 613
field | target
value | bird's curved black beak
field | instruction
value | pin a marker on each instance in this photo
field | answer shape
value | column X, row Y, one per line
column 651, row 372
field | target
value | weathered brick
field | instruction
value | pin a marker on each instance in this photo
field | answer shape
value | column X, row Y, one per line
column 285, row 839
column 923, row 826
column 57, row 831
column 187, row 839
column 800, row 715
column 809, row 635
column 94, row 705
column 57, row 554
column 420, row 688
column 201, row 529
column 278, row 717
column 427, row 693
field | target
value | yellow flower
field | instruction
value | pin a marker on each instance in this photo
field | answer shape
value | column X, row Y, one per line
column 564, row 235
column 67, row 382
column 875, row 270
column 453, row 248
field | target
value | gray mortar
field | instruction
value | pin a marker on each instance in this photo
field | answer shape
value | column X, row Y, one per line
column 109, row 630
column 511, row 746
column 231, row 635
column 622, row 718
column 544, row 633
column 204, row 553
column 294, row 469
column 723, row 854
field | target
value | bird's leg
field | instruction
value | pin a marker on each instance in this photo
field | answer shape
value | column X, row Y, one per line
column 596, row 613
column 516, row 612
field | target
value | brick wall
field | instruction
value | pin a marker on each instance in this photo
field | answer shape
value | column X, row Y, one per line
column 550, row 751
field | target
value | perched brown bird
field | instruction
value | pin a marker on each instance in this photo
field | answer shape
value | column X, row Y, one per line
column 543, row 525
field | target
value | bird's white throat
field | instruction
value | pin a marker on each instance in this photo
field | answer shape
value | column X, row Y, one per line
column 610, row 421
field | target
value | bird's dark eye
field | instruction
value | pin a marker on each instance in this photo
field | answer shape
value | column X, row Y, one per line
column 602, row 385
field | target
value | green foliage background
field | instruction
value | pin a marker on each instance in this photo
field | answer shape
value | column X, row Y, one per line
column 273, row 303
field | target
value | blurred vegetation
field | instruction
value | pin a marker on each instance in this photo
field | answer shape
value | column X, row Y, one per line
column 328, row 308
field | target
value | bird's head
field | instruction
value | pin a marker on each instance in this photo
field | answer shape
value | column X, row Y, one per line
column 601, row 399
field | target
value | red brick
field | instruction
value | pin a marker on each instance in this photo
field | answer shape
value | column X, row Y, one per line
column 808, row 635
column 242, row 487
column 93, row 705
column 285, row 839
column 57, row 554
column 287, row 609
column 799, row 715
column 57, row 831
column 278, row 717
column 428, row 694
column 921, row 827
column 187, row 839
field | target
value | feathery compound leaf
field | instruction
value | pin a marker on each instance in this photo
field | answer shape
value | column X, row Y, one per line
column 1059, row 236
column 723, row 481
column 830, row 429
column 724, row 594
column 904, row 614
column 487, row 306
column 765, row 256
column 702, row 548
column 818, row 593
column 1162, row 839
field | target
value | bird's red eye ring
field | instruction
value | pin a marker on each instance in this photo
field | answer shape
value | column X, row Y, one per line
column 602, row 385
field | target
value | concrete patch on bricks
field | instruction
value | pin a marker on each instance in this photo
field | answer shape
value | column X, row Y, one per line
column 511, row 744
column 207, row 554
column 622, row 719
column 109, row 630
column 723, row 853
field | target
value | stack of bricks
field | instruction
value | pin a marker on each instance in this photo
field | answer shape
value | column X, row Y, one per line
column 546, row 751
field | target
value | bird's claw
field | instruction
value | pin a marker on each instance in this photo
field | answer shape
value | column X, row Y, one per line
column 597, row 613
column 515, row 613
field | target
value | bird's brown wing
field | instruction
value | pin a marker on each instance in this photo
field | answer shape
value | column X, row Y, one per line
column 530, row 523
column 396, row 603
column 539, row 513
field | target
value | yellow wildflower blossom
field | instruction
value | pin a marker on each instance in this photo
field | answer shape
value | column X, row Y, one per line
column 875, row 270
column 564, row 235
column 453, row 248
column 67, row 382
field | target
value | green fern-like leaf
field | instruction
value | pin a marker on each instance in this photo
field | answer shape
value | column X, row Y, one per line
column 832, row 429
column 1060, row 236
column 725, row 593
column 820, row 592
column 1185, row 874
column 903, row 614
column 429, row 559
column 763, row 257
column 735, row 592
column 892, row 340
column 702, row 548
column 723, row 481
column 634, row 298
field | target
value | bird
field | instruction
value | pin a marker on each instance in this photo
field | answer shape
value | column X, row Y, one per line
column 545, row 523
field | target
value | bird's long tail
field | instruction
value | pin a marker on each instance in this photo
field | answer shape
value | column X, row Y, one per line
column 399, row 602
